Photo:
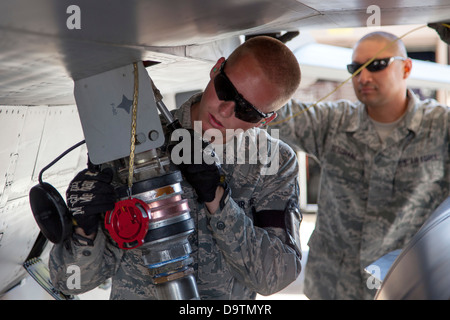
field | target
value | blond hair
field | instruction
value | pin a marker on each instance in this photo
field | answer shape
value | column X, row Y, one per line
column 276, row 60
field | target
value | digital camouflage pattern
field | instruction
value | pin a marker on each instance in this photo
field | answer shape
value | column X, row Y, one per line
column 233, row 258
column 373, row 196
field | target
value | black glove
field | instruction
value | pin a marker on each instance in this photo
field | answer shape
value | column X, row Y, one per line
column 89, row 194
column 443, row 31
column 203, row 177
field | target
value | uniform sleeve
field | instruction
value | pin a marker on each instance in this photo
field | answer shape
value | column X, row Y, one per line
column 76, row 269
column 262, row 258
column 304, row 127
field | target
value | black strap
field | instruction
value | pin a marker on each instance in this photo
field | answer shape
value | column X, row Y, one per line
column 269, row 218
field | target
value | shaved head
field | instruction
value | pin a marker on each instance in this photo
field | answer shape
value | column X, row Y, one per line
column 396, row 45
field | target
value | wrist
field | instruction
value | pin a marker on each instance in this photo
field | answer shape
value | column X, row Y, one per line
column 223, row 193
column 215, row 204
column 80, row 235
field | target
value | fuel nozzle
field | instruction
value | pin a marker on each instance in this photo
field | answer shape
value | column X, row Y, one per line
column 173, row 123
column 157, row 221
column 152, row 216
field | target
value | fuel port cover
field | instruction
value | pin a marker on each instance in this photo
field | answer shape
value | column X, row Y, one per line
column 128, row 222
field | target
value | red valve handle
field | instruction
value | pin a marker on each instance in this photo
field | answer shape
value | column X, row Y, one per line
column 128, row 223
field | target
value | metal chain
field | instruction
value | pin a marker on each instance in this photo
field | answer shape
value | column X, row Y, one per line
column 133, row 128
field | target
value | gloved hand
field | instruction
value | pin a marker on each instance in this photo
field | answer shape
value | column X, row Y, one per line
column 203, row 176
column 89, row 194
column 443, row 31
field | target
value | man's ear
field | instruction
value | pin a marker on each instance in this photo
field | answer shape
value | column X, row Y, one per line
column 216, row 68
column 267, row 120
column 407, row 68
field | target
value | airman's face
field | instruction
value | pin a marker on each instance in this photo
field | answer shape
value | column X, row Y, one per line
column 248, row 79
column 378, row 88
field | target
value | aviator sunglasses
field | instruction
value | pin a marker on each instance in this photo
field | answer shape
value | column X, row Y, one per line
column 375, row 65
column 243, row 109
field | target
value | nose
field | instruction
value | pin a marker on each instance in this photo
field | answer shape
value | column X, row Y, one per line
column 365, row 76
column 226, row 108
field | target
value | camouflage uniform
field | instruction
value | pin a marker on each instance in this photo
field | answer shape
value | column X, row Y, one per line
column 373, row 196
column 233, row 258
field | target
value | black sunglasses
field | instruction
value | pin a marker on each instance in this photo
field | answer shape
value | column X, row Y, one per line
column 375, row 65
column 243, row 109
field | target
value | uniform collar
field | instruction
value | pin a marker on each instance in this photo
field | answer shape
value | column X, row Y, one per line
column 359, row 120
column 184, row 112
column 363, row 129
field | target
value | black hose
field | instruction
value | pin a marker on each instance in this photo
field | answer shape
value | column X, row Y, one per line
column 59, row 158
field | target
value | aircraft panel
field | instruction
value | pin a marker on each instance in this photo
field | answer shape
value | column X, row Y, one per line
column 31, row 138
column 62, row 130
column 11, row 122
column 18, row 233
column 27, row 150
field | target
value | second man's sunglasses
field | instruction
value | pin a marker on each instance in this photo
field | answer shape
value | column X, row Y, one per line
column 375, row 65
column 243, row 109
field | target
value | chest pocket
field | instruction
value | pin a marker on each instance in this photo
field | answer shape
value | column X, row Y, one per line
column 426, row 166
